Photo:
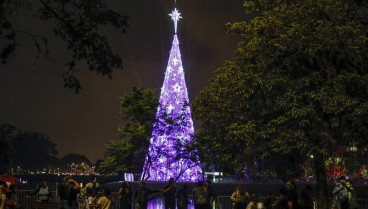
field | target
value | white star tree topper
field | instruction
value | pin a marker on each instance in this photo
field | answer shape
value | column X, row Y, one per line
column 175, row 16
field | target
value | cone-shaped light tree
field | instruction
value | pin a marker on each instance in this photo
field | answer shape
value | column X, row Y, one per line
column 168, row 155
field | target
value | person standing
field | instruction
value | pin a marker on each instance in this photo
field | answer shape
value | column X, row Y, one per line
column 183, row 198
column 291, row 195
column 11, row 197
column 67, row 191
column 142, row 195
column 91, row 201
column 2, row 196
column 288, row 196
column 93, row 184
column 239, row 197
column 210, row 194
column 340, row 193
column 351, row 196
column 43, row 192
column 125, row 196
column 200, row 195
column 170, row 192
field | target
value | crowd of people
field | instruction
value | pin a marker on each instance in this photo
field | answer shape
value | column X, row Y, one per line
column 288, row 198
column 71, row 195
column 343, row 193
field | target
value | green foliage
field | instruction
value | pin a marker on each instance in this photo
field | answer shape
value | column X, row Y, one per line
column 119, row 157
column 127, row 154
column 76, row 22
column 139, row 108
column 297, row 84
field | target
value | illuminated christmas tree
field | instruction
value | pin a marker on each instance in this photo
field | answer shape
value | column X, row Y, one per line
column 168, row 154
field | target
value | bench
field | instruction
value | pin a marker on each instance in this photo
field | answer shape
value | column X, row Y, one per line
column 45, row 205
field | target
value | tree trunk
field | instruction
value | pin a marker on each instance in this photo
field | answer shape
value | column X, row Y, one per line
column 322, row 189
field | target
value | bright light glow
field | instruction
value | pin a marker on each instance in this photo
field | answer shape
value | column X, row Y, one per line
column 173, row 99
column 177, row 88
column 175, row 61
column 129, row 177
column 169, row 69
column 175, row 16
column 169, row 108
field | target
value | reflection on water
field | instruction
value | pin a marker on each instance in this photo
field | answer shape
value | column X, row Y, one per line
column 159, row 203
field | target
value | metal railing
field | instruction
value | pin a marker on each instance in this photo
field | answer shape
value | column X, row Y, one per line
column 224, row 202
column 220, row 202
column 24, row 202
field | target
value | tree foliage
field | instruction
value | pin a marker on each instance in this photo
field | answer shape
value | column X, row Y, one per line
column 7, row 153
column 75, row 159
column 7, row 157
column 298, row 83
column 29, row 150
column 32, row 149
column 76, row 22
column 138, row 110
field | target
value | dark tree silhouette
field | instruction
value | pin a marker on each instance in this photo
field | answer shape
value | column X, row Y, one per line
column 74, row 159
column 76, row 22
column 33, row 150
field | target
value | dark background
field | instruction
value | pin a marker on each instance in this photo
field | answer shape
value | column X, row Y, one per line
column 31, row 90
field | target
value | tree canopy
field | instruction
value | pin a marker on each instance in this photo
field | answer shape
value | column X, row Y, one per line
column 70, row 159
column 298, row 83
column 29, row 150
column 138, row 110
column 76, row 22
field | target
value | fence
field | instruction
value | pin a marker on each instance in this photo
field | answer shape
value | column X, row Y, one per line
column 224, row 202
column 221, row 202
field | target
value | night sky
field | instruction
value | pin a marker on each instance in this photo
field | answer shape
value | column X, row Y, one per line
column 31, row 90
